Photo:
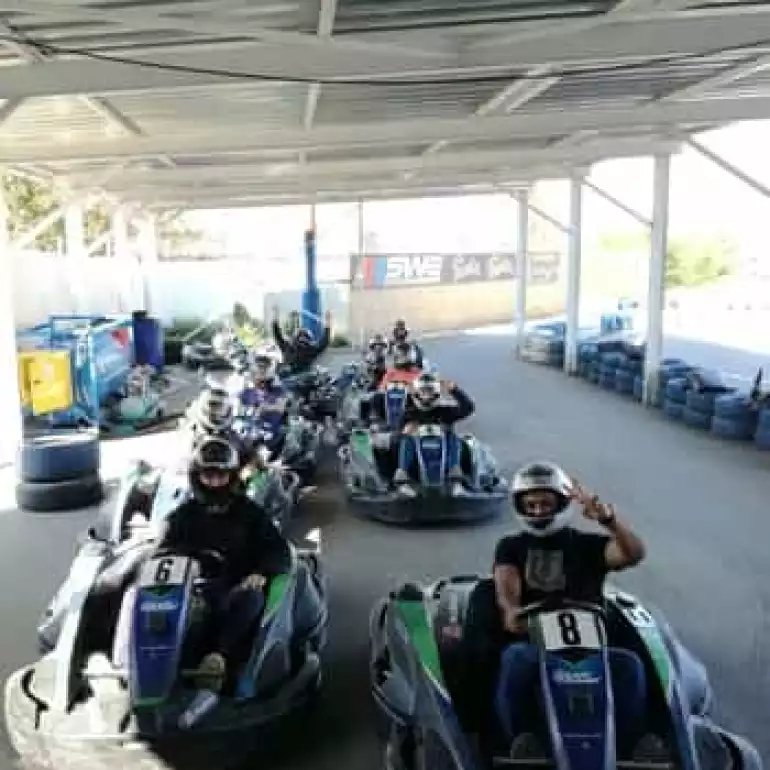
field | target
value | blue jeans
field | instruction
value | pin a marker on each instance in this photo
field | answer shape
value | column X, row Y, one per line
column 239, row 611
column 407, row 451
column 519, row 675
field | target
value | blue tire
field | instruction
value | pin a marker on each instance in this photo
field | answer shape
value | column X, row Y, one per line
column 734, row 407
column 593, row 374
column 762, row 438
column 676, row 390
column 638, row 387
column 613, row 360
column 59, row 455
column 733, row 430
column 763, row 420
column 607, row 380
column 701, row 402
column 696, row 419
column 673, row 409
column 624, row 382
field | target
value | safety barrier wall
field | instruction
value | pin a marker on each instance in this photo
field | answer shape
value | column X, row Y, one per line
column 443, row 292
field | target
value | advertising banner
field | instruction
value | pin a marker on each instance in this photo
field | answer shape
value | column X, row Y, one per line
column 383, row 271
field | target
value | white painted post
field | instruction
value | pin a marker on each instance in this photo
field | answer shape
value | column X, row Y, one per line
column 10, row 399
column 522, row 272
column 148, row 247
column 75, row 255
column 657, row 277
column 574, row 269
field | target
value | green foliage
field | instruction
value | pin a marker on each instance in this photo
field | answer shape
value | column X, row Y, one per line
column 179, row 328
column 175, row 236
column 241, row 315
column 29, row 202
column 692, row 262
column 340, row 341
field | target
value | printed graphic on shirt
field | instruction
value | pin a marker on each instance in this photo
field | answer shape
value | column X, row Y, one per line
column 545, row 570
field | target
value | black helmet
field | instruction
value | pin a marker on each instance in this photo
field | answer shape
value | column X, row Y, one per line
column 426, row 390
column 304, row 337
column 400, row 330
column 404, row 356
column 214, row 473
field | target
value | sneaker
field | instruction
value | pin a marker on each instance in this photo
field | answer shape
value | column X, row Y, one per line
column 527, row 746
column 457, row 489
column 651, row 748
column 211, row 672
column 400, row 477
column 406, row 490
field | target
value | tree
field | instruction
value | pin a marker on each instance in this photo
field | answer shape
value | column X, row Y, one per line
column 695, row 261
column 177, row 238
column 29, row 201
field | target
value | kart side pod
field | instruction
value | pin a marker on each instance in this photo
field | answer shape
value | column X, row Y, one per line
column 160, row 614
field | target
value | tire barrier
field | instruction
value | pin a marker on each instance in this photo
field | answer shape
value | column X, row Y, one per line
column 676, row 390
column 762, row 435
column 696, row 419
column 58, row 471
column 673, row 409
column 639, row 387
column 624, row 382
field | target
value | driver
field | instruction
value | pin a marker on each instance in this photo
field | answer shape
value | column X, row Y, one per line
column 219, row 517
column 400, row 334
column 374, row 370
column 267, row 391
column 378, row 345
column 214, row 417
column 549, row 558
column 302, row 350
column 423, row 407
column 405, row 368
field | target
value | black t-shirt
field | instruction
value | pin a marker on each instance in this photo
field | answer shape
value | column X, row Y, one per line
column 569, row 564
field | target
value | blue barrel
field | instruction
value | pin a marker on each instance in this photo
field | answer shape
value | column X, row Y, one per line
column 148, row 341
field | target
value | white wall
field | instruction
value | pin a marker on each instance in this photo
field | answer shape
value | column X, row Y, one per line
column 43, row 284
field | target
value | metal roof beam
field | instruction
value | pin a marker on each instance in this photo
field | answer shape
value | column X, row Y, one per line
column 326, row 15
column 751, row 66
column 629, row 38
column 217, row 21
column 494, row 159
column 729, row 168
column 659, row 118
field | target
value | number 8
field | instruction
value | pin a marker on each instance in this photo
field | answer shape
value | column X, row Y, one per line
column 570, row 634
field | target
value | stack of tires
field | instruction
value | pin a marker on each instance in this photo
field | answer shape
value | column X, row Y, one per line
column 609, row 365
column 706, row 387
column 59, row 471
column 630, row 369
column 675, row 397
column 762, row 434
column 670, row 369
column 588, row 361
column 735, row 419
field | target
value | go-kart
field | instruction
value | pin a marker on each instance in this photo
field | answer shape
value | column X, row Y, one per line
column 119, row 679
column 369, row 460
column 418, row 675
column 294, row 441
column 351, row 416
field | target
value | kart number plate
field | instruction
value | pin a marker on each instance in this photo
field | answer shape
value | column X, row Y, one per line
column 569, row 629
column 164, row 571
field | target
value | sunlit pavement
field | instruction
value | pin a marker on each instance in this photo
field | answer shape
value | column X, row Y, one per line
column 701, row 505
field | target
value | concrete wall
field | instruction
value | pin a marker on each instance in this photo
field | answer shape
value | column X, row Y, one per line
column 447, row 307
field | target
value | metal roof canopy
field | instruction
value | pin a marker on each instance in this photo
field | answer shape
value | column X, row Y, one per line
column 208, row 103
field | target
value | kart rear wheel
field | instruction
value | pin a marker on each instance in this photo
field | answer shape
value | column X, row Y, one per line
column 73, row 494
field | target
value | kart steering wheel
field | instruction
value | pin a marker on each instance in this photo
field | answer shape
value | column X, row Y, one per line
column 211, row 560
column 547, row 605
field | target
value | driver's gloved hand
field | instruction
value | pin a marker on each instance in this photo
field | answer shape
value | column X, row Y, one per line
column 253, row 582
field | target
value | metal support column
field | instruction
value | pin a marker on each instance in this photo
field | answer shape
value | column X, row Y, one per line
column 574, row 269
column 75, row 254
column 657, row 277
column 11, row 434
column 522, row 272
column 148, row 249
column 311, row 297
column 122, row 251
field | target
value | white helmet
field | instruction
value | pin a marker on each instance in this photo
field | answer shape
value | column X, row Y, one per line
column 542, row 477
column 215, row 410
column 426, row 391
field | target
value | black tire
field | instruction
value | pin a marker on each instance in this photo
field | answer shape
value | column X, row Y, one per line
column 59, row 456
column 172, row 352
column 60, row 495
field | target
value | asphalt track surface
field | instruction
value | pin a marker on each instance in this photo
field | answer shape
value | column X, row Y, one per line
column 701, row 505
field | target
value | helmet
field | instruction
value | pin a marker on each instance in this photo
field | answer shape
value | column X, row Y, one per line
column 426, row 391
column 551, row 486
column 214, row 473
column 403, row 356
column 378, row 343
column 400, row 330
column 215, row 410
column 264, row 369
column 304, row 337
